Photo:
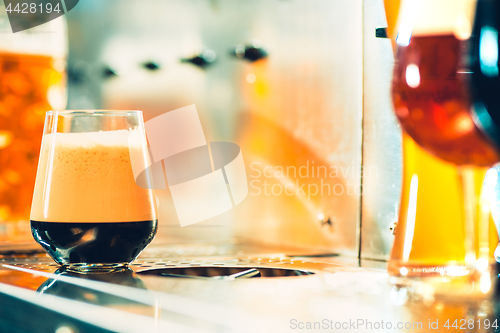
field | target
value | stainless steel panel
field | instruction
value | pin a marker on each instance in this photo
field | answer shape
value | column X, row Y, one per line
column 303, row 111
column 381, row 140
column 299, row 109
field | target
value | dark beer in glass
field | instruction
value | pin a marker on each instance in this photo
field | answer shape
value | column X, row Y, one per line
column 87, row 211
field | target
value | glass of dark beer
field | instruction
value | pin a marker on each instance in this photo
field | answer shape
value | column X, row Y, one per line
column 88, row 213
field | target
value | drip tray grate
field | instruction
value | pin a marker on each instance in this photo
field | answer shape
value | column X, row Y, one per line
column 224, row 273
column 227, row 269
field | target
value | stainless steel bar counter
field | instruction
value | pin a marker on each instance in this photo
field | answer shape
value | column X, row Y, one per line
column 180, row 288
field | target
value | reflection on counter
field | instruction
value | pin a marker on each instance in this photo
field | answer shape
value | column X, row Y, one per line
column 335, row 295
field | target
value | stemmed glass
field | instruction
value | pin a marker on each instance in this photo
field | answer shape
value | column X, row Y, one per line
column 432, row 103
column 88, row 213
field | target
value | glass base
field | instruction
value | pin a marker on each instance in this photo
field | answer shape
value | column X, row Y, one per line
column 454, row 282
column 405, row 270
column 88, row 268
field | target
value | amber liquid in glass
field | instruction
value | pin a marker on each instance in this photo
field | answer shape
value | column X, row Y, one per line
column 26, row 82
column 436, row 232
column 391, row 13
column 436, row 218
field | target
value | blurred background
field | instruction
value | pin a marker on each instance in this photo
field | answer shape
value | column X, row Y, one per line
column 292, row 82
column 302, row 86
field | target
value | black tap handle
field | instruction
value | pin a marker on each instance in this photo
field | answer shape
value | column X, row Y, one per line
column 203, row 59
column 251, row 52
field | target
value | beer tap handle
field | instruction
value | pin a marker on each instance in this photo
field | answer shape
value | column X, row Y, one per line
column 203, row 59
column 251, row 52
column 381, row 32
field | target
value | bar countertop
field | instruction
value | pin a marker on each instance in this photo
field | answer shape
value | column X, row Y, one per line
column 293, row 293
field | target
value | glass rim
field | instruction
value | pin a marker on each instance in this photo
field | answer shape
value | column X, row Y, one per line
column 95, row 112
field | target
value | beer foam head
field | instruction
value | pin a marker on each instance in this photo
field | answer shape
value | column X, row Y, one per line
column 91, row 139
column 435, row 17
column 87, row 177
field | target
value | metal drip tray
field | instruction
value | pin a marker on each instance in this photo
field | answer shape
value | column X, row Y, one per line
column 224, row 273
column 228, row 268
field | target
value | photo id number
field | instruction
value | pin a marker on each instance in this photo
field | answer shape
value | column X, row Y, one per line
column 33, row 8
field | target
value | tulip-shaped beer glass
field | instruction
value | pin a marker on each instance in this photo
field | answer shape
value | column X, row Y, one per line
column 431, row 101
column 88, row 213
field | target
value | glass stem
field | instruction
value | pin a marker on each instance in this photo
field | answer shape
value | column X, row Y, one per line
column 487, row 191
column 476, row 213
column 466, row 174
